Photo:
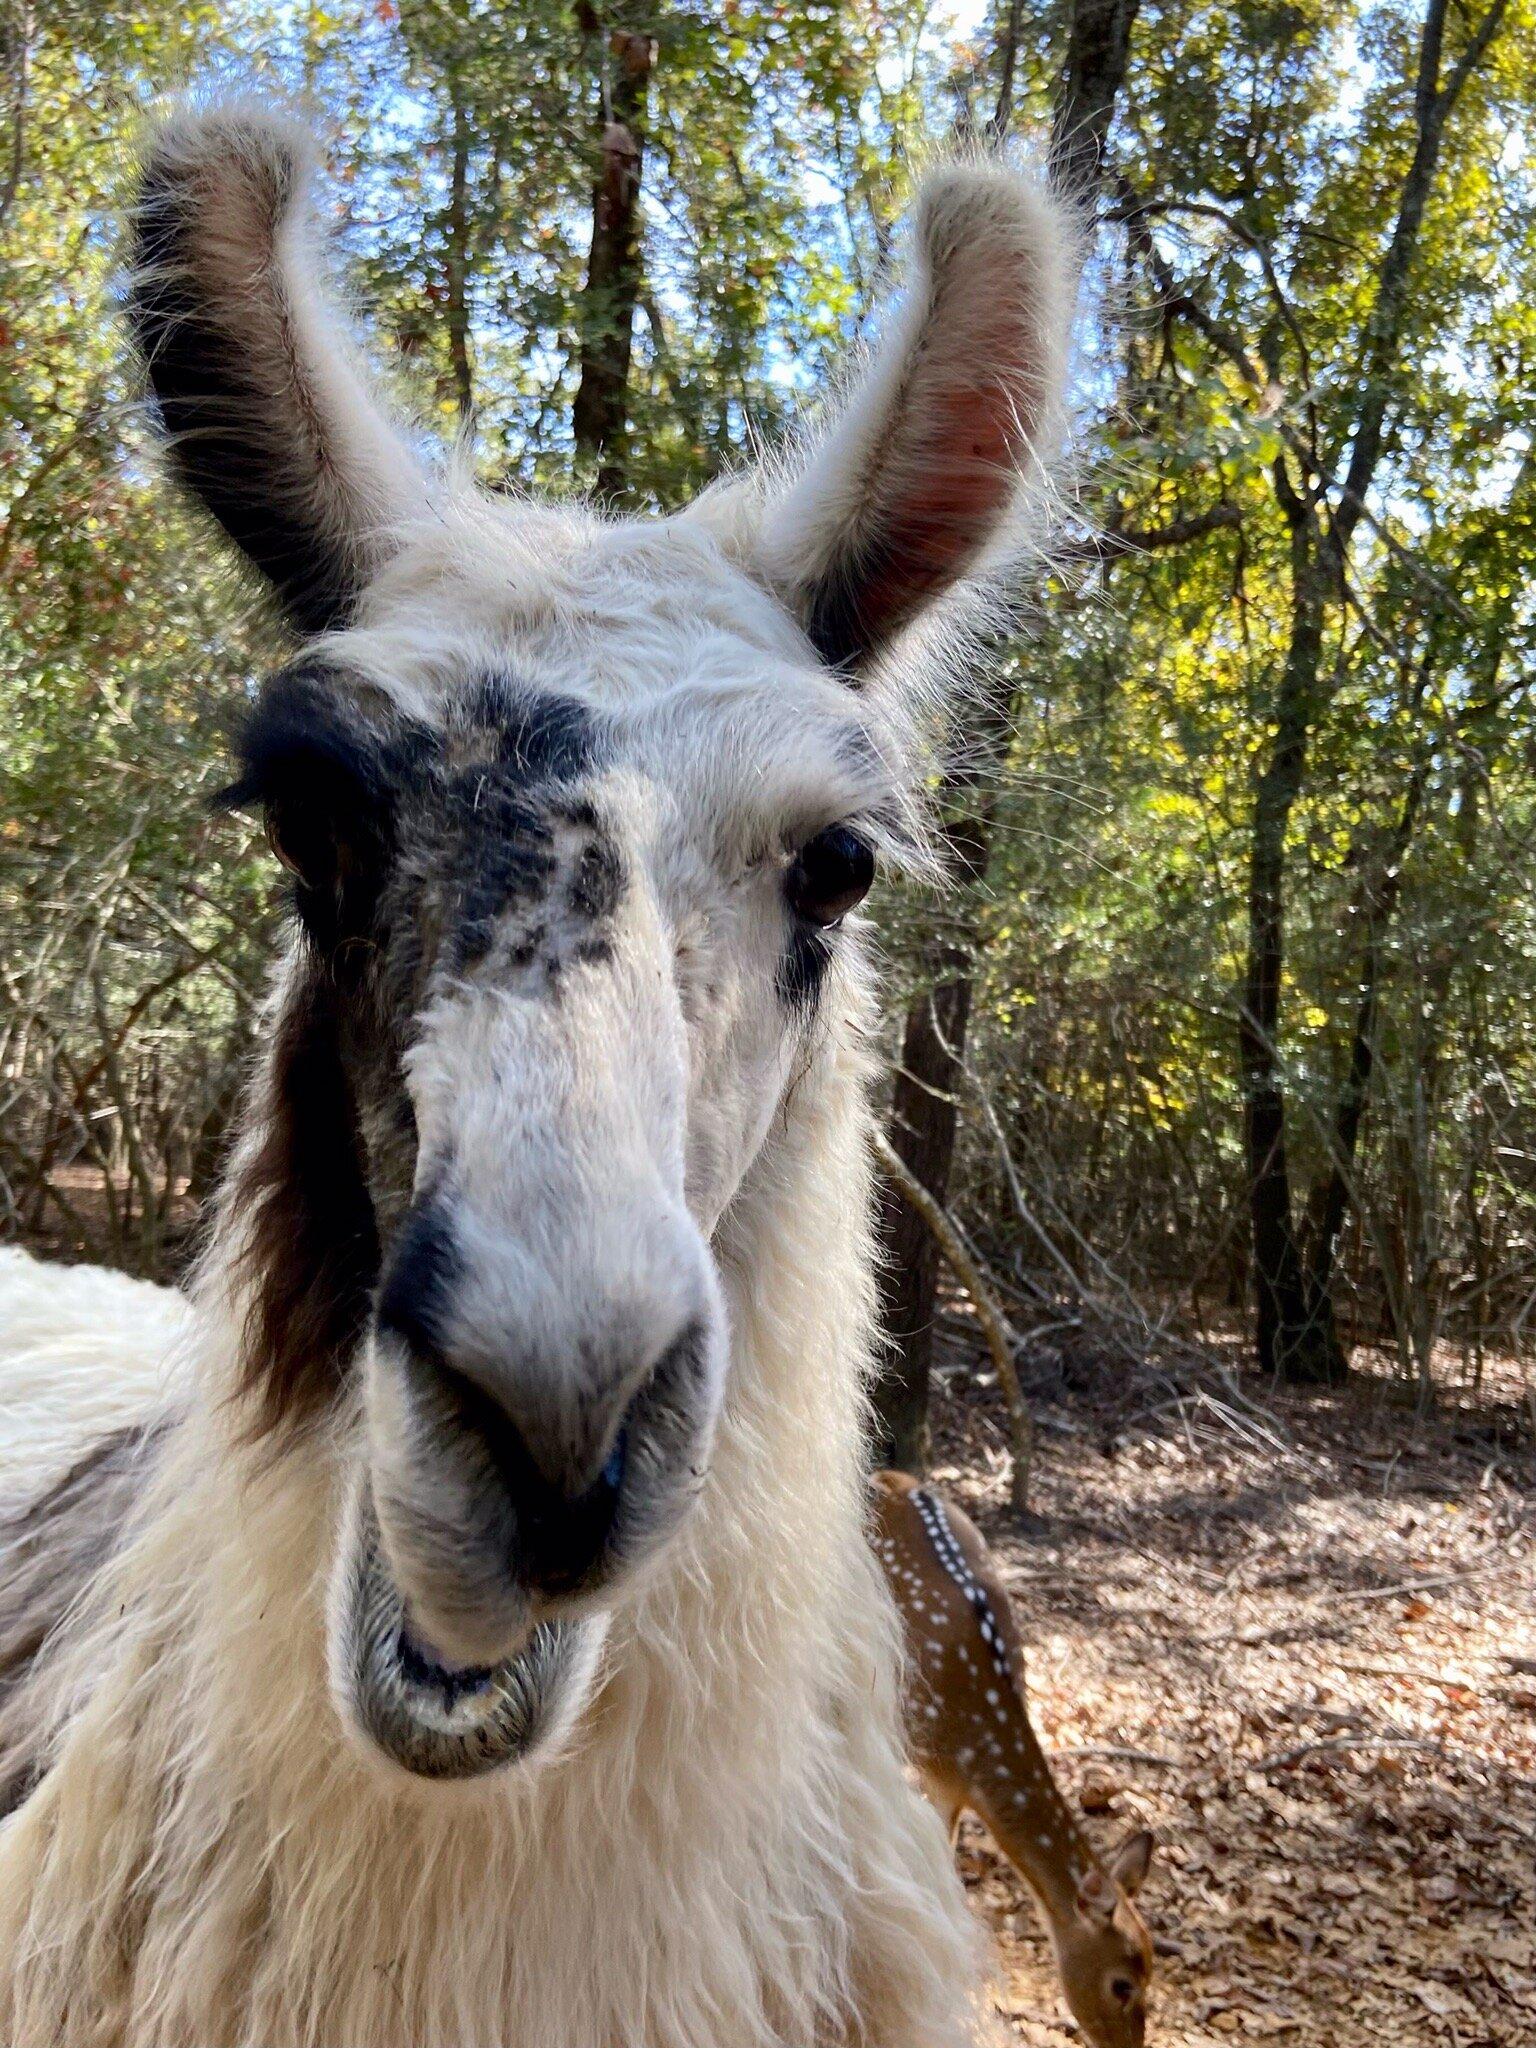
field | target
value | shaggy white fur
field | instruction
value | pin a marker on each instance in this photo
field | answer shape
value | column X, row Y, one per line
column 725, row 1853
column 731, row 1855
column 84, row 1351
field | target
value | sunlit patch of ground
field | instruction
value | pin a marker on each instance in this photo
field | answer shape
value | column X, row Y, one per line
column 1311, row 1621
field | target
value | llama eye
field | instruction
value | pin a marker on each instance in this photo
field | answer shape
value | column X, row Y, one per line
column 829, row 875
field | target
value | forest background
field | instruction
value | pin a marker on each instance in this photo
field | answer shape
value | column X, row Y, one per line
column 1221, row 1038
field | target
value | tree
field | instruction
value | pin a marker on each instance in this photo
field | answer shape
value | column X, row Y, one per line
column 930, row 1073
column 1322, row 501
column 611, row 296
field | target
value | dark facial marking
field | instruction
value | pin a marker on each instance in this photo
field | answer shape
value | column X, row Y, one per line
column 579, row 811
column 528, row 948
column 330, row 781
column 500, row 842
column 512, row 818
column 598, row 879
column 312, row 1250
column 412, row 861
column 803, row 966
column 416, row 1300
column 539, row 738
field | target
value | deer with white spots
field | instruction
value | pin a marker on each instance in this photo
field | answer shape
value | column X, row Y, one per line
column 971, row 1743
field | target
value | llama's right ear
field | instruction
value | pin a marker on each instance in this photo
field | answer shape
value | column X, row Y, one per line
column 921, row 476
column 268, row 417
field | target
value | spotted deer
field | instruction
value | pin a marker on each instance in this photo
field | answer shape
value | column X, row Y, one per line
column 972, row 1745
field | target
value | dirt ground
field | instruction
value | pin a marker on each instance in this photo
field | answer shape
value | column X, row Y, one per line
column 1295, row 1636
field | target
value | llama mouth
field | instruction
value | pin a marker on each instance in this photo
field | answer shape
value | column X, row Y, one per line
column 430, row 1675
column 435, row 1718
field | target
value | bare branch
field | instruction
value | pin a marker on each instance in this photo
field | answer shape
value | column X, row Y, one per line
column 994, row 1326
column 1145, row 540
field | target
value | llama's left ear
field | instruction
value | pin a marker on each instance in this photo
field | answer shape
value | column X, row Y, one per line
column 268, row 417
column 960, row 411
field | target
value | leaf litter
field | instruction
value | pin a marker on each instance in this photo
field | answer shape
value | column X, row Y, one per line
column 1295, row 1635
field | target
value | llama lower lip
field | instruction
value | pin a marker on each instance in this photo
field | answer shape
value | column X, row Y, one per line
column 424, row 1669
column 432, row 1717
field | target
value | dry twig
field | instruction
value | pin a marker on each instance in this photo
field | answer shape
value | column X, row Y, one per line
column 967, row 1271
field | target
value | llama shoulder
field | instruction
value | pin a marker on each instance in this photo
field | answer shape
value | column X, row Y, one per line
column 83, row 1352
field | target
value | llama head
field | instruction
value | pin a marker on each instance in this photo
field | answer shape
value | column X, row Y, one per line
column 576, row 811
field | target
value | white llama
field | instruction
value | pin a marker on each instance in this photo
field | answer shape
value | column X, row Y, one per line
column 477, row 1645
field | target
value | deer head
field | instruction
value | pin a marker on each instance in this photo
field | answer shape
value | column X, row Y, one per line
column 1103, row 1949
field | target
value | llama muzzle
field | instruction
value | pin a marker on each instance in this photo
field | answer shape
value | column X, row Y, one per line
column 428, row 1714
column 534, row 1434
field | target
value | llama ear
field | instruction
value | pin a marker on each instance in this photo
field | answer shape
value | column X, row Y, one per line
column 268, row 417
column 960, row 409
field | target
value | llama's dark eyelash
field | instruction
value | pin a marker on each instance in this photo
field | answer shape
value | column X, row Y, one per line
column 879, row 828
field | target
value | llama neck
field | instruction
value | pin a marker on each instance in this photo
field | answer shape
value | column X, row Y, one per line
column 796, row 1256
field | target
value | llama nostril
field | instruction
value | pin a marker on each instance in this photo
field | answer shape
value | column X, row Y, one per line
column 517, row 1458
column 561, row 1521
column 613, row 1468
column 561, row 1536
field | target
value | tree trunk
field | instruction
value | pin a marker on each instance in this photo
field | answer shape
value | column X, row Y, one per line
column 1290, row 1341
column 456, row 262
column 923, row 1107
column 1098, row 52
column 925, row 1099
column 1293, row 1325
column 1380, row 903
column 1381, row 894
column 15, row 55
column 922, row 1133
column 600, row 416
column 1007, row 69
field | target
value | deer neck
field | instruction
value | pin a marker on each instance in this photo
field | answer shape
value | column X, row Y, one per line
column 1037, row 1830
column 971, row 1725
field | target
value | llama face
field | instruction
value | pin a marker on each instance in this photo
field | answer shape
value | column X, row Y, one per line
column 581, row 919
column 576, row 811
column 577, row 947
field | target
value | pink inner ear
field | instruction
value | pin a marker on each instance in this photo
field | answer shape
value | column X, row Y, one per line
column 945, row 495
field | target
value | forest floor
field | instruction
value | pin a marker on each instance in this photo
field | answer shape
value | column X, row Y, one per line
column 1295, row 1635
